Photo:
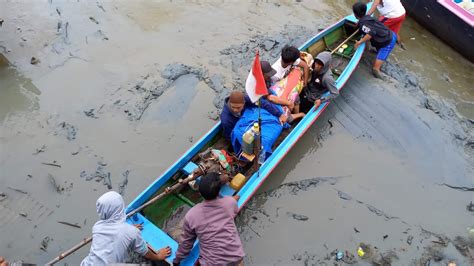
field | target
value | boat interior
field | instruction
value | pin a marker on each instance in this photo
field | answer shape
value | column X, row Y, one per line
column 168, row 213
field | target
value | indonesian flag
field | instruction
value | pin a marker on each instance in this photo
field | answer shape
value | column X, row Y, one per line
column 255, row 85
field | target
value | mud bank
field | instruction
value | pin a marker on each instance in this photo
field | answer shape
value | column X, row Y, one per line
column 111, row 109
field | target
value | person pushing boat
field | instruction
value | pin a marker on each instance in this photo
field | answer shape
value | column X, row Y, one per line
column 112, row 237
column 380, row 37
column 212, row 223
column 392, row 15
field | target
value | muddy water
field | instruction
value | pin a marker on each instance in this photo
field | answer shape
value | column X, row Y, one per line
column 125, row 88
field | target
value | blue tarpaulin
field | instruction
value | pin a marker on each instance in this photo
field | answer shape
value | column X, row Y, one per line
column 270, row 129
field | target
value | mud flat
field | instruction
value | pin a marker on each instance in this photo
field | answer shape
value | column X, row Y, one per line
column 118, row 91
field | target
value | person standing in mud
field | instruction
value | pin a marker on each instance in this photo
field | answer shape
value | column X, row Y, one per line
column 321, row 82
column 392, row 15
column 112, row 237
column 380, row 37
column 212, row 223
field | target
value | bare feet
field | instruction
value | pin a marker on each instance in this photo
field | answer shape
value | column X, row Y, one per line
column 377, row 74
column 297, row 116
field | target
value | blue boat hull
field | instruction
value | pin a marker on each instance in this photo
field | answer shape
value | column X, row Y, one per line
column 158, row 238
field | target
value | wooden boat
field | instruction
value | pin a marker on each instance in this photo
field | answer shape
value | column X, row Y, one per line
column 447, row 20
column 162, row 220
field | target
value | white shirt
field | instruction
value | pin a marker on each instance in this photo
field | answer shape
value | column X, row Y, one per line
column 391, row 8
column 281, row 71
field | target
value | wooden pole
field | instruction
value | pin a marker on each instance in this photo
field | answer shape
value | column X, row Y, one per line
column 167, row 191
column 348, row 38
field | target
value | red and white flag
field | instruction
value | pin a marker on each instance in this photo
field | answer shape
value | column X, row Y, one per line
column 255, row 85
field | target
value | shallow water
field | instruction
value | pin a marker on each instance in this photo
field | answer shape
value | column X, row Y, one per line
column 106, row 80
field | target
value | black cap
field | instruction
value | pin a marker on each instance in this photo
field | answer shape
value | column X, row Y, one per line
column 267, row 69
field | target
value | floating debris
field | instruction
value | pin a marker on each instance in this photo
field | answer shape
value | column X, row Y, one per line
column 44, row 243
column 34, row 60
column 3, row 196
column 344, row 195
column 70, row 130
column 298, row 217
column 18, row 190
column 94, row 20
column 124, row 182
column 90, row 113
column 70, row 224
column 40, row 150
column 53, row 182
column 470, row 207
column 52, row 164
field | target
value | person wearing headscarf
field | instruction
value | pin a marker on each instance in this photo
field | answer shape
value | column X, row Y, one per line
column 113, row 238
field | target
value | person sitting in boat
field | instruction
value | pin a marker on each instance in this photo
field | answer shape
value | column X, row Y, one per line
column 235, row 105
column 321, row 82
column 212, row 223
column 380, row 37
column 290, row 57
column 112, row 237
column 268, row 73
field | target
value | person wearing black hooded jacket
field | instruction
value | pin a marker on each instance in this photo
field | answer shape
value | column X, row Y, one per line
column 380, row 37
column 321, row 82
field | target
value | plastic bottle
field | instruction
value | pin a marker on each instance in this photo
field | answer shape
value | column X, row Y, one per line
column 256, row 129
column 248, row 139
column 262, row 156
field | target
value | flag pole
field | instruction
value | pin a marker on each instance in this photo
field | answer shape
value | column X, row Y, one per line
column 259, row 138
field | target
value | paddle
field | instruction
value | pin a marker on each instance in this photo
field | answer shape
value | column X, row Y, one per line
column 348, row 38
column 167, row 191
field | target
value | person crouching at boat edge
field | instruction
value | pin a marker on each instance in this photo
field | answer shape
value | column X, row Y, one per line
column 321, row 81
column 112, row 237
column 212, row 223
column 380, row 37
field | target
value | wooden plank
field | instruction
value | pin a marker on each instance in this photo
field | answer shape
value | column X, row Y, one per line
column 316, row 48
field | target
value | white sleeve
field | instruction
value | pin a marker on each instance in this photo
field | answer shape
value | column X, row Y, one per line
column 297, row 62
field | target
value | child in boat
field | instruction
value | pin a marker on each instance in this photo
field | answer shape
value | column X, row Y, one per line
column 290, row 57
column 380, row 37
column 112, row 237
column 212, row 223
column 321, row 82
column 392, row 15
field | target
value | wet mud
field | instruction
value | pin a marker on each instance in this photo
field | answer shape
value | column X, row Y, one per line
column 388, row 167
